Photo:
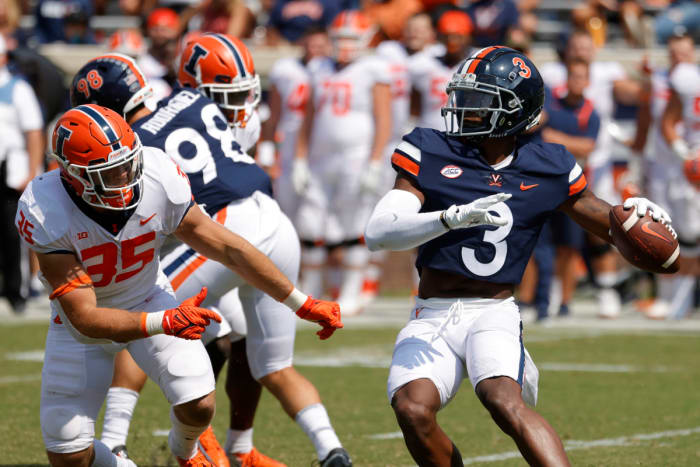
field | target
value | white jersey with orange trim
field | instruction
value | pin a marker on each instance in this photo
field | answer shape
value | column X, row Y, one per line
column 395, row 53
column 124, row 266
column 600, row 91
column 343, row 104
column 685, row 81
column 429, row 76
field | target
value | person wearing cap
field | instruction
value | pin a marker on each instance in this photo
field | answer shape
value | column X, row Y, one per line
column 21, row 157
column 163, row 29
column 430, row 72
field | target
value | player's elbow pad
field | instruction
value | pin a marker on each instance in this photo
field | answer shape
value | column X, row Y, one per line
column 378, row 232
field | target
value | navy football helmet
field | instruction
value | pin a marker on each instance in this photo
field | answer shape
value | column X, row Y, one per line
column 114, row 81
column 495, row 92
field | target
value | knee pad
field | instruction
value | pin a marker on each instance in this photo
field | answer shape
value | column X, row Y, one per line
column 266, row 356
column 65, row 430
column 187, row 373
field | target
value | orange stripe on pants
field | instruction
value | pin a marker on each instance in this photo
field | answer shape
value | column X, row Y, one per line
column 198, row 261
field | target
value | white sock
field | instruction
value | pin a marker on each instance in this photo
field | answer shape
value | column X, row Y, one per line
column 607, row 280
column 105, row 458
column 119, row 408
column 239, row 441
column 355, row 264
column 683, row 295
column 183, row 438
column 313, row 260
column 313, row 419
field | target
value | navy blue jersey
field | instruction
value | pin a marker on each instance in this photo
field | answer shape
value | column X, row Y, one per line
column 448, row 171
column 192, row 130
column 578, row 120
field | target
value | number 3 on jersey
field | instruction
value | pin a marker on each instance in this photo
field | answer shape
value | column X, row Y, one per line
column 203, row 160
column 497, row 238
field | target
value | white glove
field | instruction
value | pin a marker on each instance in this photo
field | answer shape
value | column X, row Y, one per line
column 474, row 213
column 681, row 149
column 643, row 205
column 372, row 178
column 301, row 175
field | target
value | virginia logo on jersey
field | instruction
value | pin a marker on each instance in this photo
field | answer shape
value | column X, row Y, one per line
column 495, row 180
column 451, row 171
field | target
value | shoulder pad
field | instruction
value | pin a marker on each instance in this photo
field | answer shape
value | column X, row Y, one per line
column 43, row 214
column 547, row 158
column 165, row 171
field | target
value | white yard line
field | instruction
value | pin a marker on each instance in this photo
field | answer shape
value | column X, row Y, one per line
column 570, row 445
column 20, row 379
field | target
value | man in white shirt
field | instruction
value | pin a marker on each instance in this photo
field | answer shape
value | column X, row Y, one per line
column 21, row 155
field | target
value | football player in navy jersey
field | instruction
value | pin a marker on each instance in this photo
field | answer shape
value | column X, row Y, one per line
column 473, row 199
column 220, row 88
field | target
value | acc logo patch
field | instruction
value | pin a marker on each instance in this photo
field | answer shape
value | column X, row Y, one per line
column 451, row 171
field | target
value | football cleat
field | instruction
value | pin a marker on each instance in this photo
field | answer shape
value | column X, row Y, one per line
column 120, row 451
column 254, row 458
column 338, row 457
column 199, row 460
column 212, row 449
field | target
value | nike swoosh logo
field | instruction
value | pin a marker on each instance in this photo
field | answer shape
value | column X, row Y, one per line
column 524, row 187
column 144, row 222
column 647, row 229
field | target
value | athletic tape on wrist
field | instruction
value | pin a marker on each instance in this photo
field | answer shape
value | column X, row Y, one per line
column 444, row 221
column 152, row 323
column 296, row 299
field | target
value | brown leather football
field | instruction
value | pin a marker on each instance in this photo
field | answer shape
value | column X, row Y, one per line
column 644, row 242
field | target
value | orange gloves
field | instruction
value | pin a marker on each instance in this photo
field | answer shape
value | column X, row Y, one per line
column 325, row 313
column 187, row 321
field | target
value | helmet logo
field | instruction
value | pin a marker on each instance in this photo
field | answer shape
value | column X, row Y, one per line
column 62, row 135
column 92, row 80
column 198, row 52
column 525, row 71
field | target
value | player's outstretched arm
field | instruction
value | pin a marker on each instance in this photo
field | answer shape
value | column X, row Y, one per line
column 74, row 291
column 592, row 213
column 220, row 244
column 397, row 224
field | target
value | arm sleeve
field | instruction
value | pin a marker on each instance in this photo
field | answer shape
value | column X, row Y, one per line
column 27, row 105
column 396, row 224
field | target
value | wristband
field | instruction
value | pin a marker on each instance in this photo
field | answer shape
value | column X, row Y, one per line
column 266, row 153
column 444, row 221
column 680, row 148
column 296, row 299
column 152, row 323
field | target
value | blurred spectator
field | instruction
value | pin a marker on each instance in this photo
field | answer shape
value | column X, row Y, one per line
column 222, row 16
column 593, row 16
column 10, row 14
column 492, row 20
column 56, row 18
column 163, row 30
column 76, row 28
column 527, row 18
column 572, row 122
column 137, row 7
column 21, row 159
column 290, row 18
column 681, row 17
column 390, row 16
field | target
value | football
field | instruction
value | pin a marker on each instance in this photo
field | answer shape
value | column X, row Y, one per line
column 644, row 242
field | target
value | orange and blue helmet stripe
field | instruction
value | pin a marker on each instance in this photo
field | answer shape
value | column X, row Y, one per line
column 237, row 56
column 103, row 124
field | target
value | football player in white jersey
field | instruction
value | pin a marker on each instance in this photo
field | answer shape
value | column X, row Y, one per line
column 608, row 83
column 97, row 225
column 288, row 93
column 683, row 193
column 338, row 166
column 430, row 73
column 661, row 167
column 237, row 193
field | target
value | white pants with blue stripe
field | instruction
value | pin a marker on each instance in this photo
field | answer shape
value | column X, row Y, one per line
column 448, row 339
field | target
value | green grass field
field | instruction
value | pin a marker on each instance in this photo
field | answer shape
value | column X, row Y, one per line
column 616, row 400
